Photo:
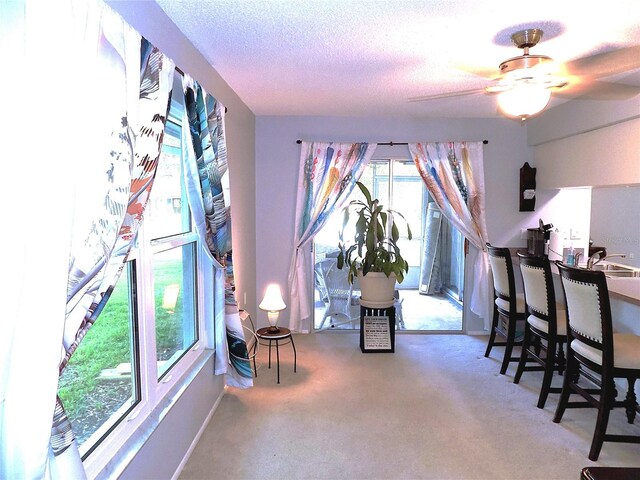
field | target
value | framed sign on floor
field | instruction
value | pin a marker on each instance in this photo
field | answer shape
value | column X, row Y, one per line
column 377, row 329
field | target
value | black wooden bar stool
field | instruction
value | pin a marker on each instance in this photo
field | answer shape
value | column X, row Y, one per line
column 610, row 473
column 546, row 326
column 508, row 306
column 593, row 347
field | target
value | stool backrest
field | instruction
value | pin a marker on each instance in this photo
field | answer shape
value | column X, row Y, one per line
column 539, row 295
column 588, row 308
column 504, row 284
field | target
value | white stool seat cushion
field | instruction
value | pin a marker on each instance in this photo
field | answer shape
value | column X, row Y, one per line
column 504, row 305
column 543, row 325
column 626, row 351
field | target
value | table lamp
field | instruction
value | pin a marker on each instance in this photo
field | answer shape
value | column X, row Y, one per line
column 273, row 303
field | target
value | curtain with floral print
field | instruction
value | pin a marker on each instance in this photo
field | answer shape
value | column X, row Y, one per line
column 111, row 170
column 328, row 173
column 208, row 193
column 453, row 174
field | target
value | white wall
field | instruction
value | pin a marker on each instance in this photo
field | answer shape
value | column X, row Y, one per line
column 278, row 156
column 615, row 221
column 602, row 157
column 569, row 211
column 167, row 448
column 171, row 440
column 588, row 143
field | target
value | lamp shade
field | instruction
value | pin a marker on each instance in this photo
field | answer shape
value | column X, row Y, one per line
column 272, row 301
column 524, row 100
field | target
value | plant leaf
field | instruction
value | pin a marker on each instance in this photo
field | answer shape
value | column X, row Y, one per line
column 365, row 191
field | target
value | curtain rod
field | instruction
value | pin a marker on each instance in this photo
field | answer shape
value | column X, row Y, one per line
column 392, row 144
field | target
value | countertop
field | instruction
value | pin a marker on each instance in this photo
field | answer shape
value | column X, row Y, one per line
column 623, row 288
column 627, row 289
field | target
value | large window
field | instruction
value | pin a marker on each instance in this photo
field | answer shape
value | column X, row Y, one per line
column 174, row 287
column 148, row 335
column 101, row 383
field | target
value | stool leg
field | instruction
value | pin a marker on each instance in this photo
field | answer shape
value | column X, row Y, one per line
column 508, row 349
column 492, row 334
column 560, row 359
column 630, row 401
column 570, row 376
column 278, row 360
column 604, row 408
column 295, row 355
column 549, row 367
column 255, row 370
column 524, row 353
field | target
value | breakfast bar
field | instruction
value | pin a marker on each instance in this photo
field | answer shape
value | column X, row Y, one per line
column 624, row 295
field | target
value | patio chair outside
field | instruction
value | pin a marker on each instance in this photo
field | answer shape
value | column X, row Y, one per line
column 341, row 299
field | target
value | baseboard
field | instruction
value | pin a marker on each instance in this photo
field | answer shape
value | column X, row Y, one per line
column 196, row 439
column 477, row 332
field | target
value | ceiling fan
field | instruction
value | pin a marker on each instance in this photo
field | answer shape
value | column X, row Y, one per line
column 524, row 83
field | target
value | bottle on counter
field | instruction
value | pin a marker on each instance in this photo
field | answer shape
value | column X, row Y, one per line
column 571, row 257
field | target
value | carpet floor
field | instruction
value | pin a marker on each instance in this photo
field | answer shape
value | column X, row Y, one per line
column 434, row 409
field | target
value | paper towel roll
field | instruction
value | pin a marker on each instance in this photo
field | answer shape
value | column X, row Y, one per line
column 555, row 246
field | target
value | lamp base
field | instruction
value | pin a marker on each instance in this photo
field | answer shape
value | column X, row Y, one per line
column 274, row 329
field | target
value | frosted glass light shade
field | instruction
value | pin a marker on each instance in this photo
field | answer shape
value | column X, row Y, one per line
column 272, row 300
column 272, row 303
column 524, row 100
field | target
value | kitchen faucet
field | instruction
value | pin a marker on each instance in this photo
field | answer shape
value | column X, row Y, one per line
column 594, row 258
column 598, row 256
column 577, row 260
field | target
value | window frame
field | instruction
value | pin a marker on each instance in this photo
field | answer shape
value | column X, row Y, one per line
column 157, row 395
column 147, row 412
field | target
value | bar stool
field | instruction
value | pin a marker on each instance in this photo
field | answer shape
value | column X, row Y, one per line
column 593, row 347
column 546, row 326
column 508, row 306
column 610, row 473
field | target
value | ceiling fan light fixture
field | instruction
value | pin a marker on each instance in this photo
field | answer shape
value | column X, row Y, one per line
column 525, row 83
column 524, row 100
column 527, row 38
column 525, row 62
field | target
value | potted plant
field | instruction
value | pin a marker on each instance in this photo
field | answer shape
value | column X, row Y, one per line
column 373, row 255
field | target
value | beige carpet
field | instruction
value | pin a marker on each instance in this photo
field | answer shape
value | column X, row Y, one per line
column 434, row 409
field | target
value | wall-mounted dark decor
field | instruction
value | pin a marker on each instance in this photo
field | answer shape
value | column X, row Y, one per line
column 527, row 188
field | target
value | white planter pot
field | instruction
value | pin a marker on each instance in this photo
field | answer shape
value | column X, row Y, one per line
column 376, row 289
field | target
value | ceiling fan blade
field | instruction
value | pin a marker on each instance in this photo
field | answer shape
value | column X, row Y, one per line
column 440, row 96
column 606, row 63
column 485, row 72
column 595, row 90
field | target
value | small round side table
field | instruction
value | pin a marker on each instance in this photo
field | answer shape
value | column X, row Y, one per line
column 267, row 333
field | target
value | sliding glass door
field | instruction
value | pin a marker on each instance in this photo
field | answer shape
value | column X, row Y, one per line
column 431, row 293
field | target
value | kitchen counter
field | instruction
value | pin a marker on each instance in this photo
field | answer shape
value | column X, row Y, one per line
column 626, row 289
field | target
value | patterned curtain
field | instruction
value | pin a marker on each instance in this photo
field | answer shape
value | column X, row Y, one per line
column 453, row 174
column 119, row 136
column 328, row 173
column 208, row 191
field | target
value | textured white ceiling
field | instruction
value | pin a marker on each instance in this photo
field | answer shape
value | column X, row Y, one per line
column 367, row 57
